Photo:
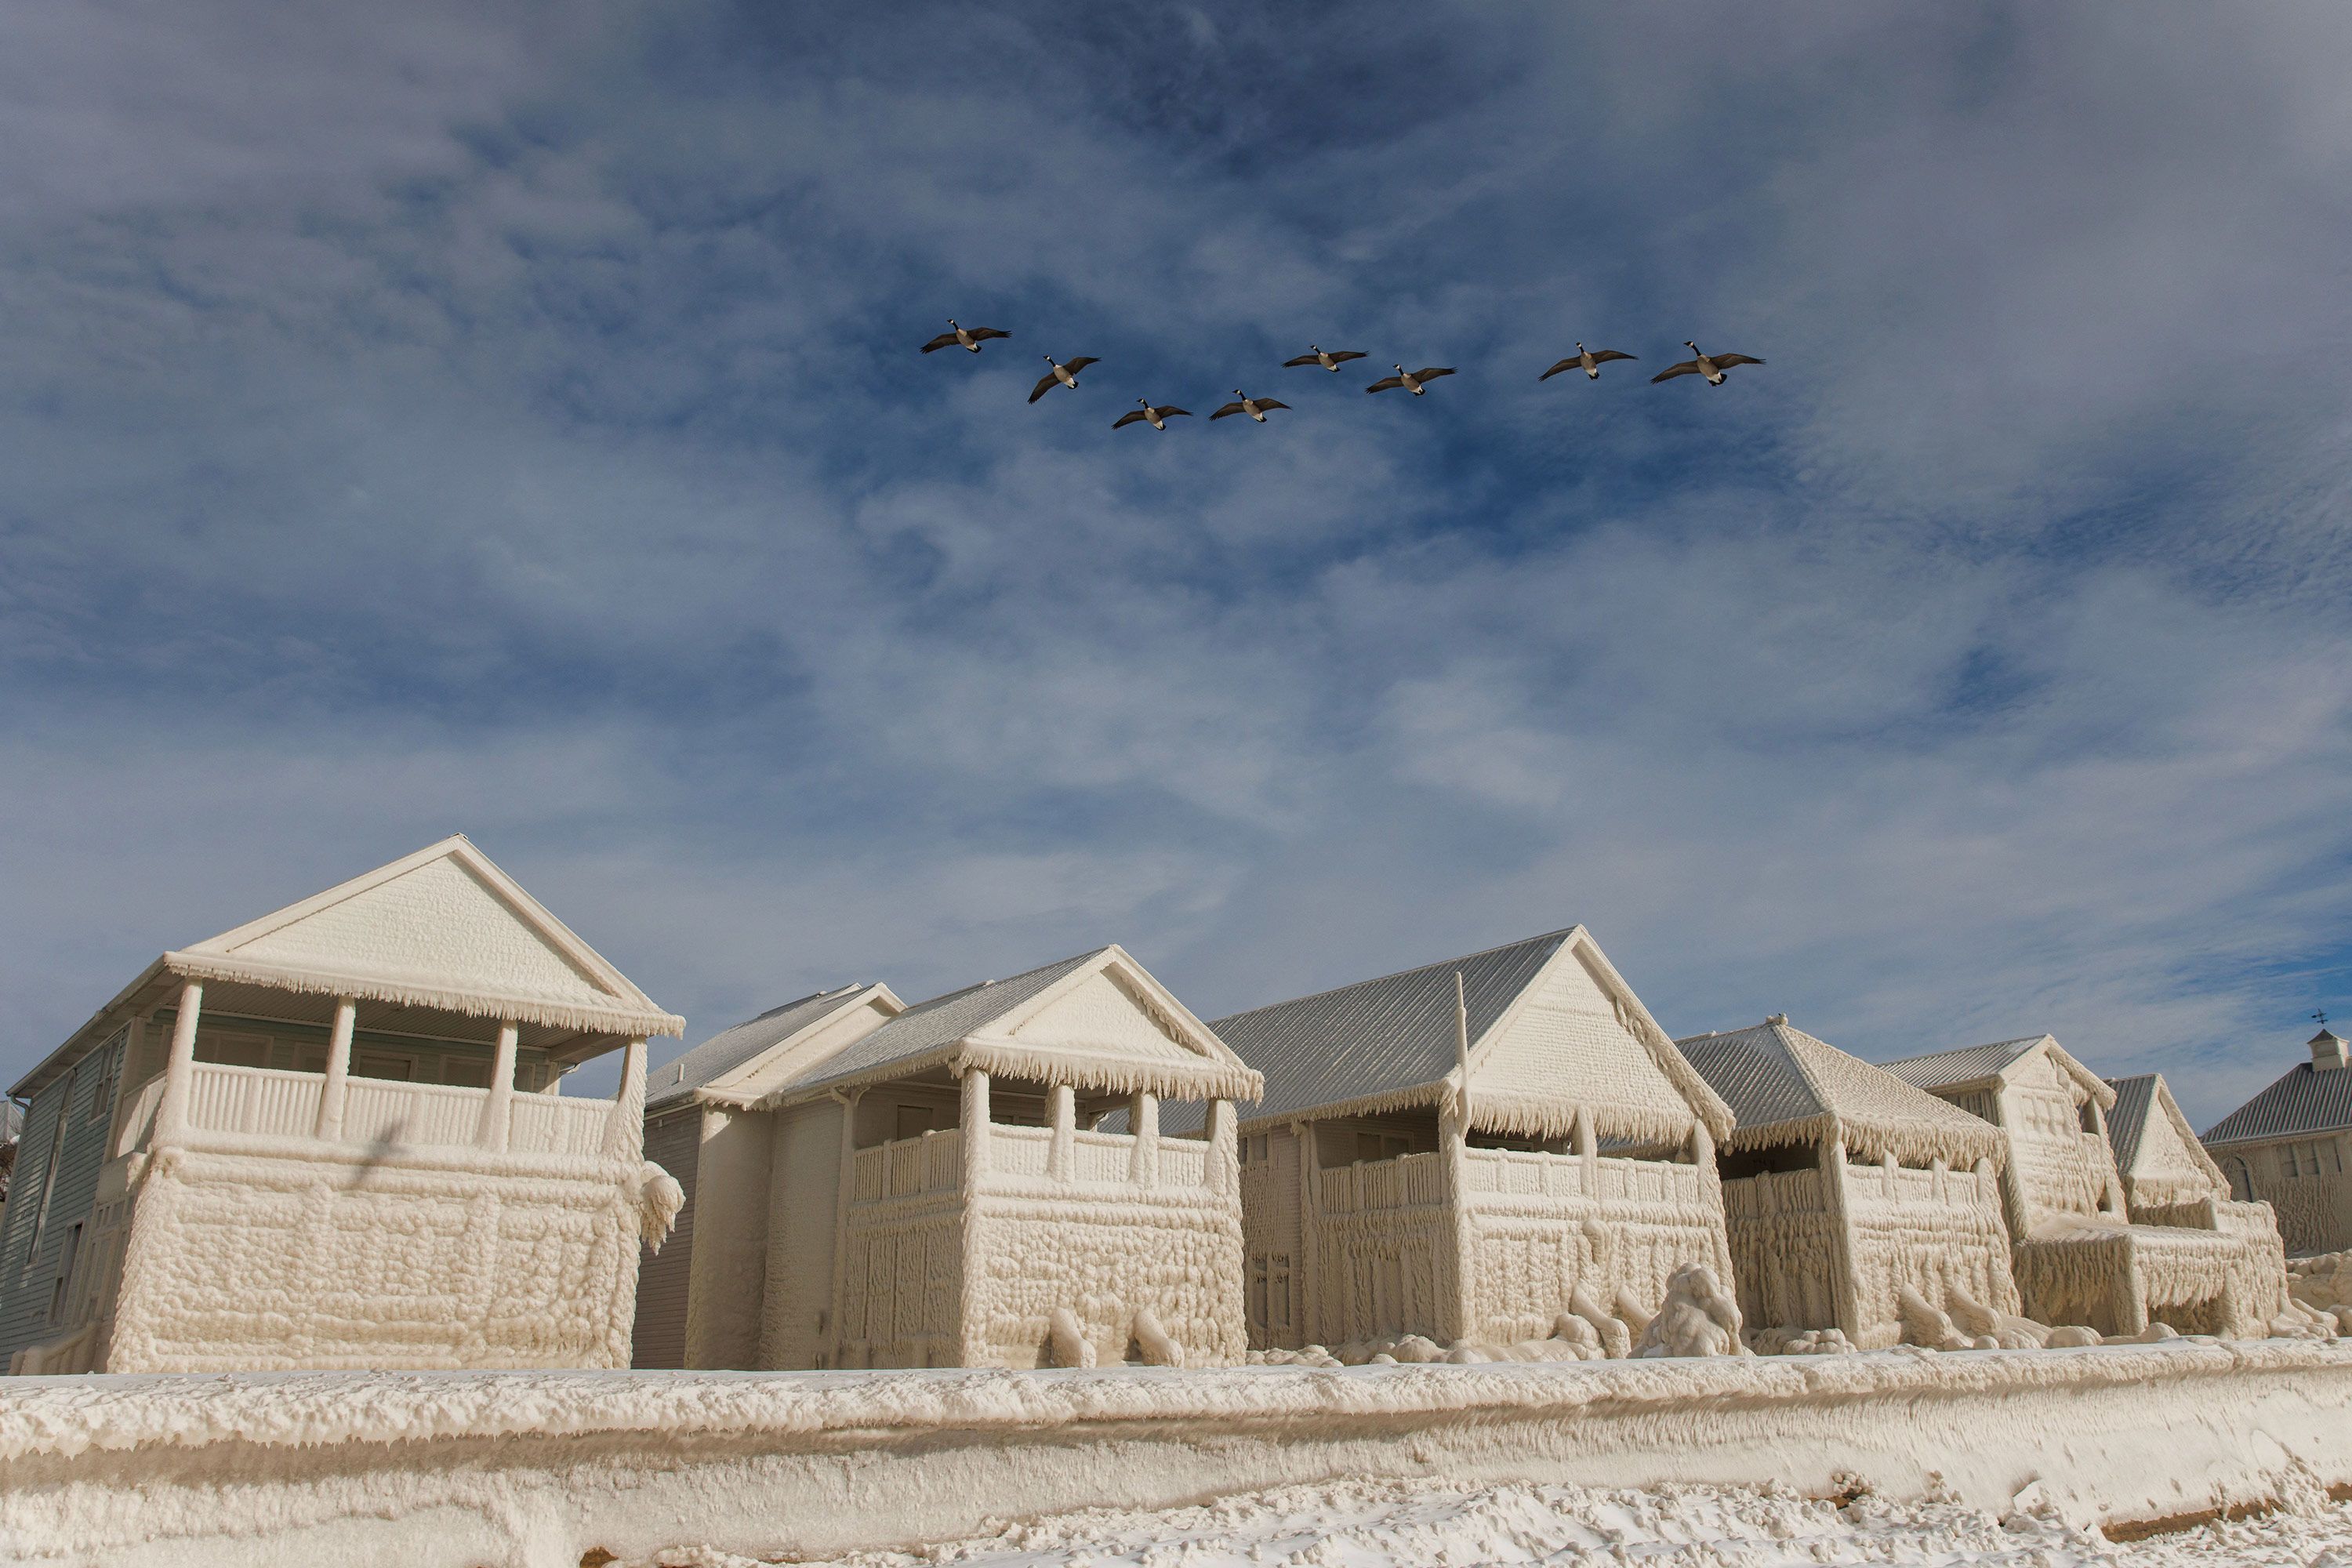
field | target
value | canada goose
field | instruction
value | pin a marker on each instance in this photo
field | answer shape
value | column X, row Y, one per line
column 1156, row 417
column 1711, row 366
column 1589, row 361
column 957, row 337
column 1254, row 407
column 1060, row 375
column 1331, row 362
column 1410, row 380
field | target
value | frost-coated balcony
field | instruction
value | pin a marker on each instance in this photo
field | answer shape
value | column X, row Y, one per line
column 380, row 1113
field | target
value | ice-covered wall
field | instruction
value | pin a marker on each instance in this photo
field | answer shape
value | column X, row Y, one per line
column 1177, row 1257
column 2306, row 1180
column 308, row 1257
column 1932, row 1230
column 545, row 1470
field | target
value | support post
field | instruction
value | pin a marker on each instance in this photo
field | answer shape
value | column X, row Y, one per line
column 1308, row 1267
column 180, row 1068
column 1459, row 1279
column 1143, row 1160
column 1845, row 1286
column 332, row 1093
column 1224, row 1156
column 844, row 1190
column 1062, row 1156
column 625, row 1124
column 497, row 1110
column 974, row 1120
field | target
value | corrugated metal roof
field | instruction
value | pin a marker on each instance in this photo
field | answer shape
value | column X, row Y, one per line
column 2135, row 1101
column 941, row 1021
column 1946, row 1067
column 2304, row 1101
column 732, row 1047
column 1772, row 1073
column 1374, row 1037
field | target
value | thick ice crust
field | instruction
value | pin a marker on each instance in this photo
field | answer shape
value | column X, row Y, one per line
column 458, row 1469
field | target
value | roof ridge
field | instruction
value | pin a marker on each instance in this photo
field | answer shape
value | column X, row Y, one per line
column 1401, row 973
column 928, row 1003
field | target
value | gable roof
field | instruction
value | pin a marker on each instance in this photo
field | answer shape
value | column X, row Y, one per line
column 1983, row 1067
column 980, row 1026
column 2139, row 1099
column 1393, row 1041
column 744, row 1043
column 1788, row 1087
column 2304, row 1100
column 441, row 928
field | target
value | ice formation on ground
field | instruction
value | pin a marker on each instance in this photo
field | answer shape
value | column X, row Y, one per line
column 1411, row 1524
column 1698, row 1317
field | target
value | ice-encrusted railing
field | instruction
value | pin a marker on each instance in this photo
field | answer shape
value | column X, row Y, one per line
column 378, row 1112
column 908, row 1167
column 1405, row 1182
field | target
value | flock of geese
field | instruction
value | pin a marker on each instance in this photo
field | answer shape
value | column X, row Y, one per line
column 1060, row 373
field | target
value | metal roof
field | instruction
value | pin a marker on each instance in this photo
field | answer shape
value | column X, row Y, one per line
column 1945, row 1068
column 2304, row 1101
column 941, row 1021
column 1376, row 1036
column 2134, row 1100
column 1772, row 1073
column 732, row 1047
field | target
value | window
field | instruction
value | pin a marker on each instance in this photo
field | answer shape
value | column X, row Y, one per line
column 101, row 1093
column 2089, row 1114
column 68, row 1258
column 914, row 1121
column 233, row 1050
column 1255, row 1301
column 1277, row 1291
column 383, row 1064
column 48, row 1172
column 471, row 1072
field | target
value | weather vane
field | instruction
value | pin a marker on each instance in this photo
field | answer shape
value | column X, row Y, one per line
column 2322, row 1016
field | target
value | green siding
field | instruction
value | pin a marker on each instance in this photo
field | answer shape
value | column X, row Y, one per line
column 28, row 1272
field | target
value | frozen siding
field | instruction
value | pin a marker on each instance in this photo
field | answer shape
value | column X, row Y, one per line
column 29, row 1283
column 673, row 1142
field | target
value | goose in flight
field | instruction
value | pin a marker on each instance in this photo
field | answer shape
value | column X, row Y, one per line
column 1316, row 354
column 1711, row 366
column 1410, row 380
column 957, row 337
column 1156, row 417
column 1060, row 375
column 1254, row 407
column 1589, row 361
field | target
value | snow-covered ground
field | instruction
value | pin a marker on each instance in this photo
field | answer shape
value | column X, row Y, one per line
column 1420, row 1524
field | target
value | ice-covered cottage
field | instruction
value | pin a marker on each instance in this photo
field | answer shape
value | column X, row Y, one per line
column 2169, row 1179
column 1462, row 1172
column 2291, row 1146
column 880, row 1185
column 2077, row 1256
column 1841, row 1184
column 334, row 1137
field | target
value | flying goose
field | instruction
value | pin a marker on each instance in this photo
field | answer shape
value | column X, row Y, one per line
column 1589, row 361
column 1060, row 375
column 1315, row 354
column 1156, row 417
column 1254, row 407
column 963, row 337
column 1711, row 366
column 1410, row 380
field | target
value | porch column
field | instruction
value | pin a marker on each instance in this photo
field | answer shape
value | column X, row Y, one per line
column 1143, row 1160
column 180, row 1067
column 338, row 1071
column 1223, row 1155
column 1458, row 1273
column 1845, row 1282
column 832, row 1323
column 975, row 1128
column 1306, row 1269
column 1062, row 1157
column 625, row 1124
column 497, row 1110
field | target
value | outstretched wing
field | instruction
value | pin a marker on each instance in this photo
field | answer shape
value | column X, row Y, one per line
column 1564, row 364
column 1080, row 364
column 1172, row 412
column 1045, row 385
column 1347, row 354
column 1734, row 359
column 1603, row 355
column 944, row 341
column 1228, row 408
column 1302, row 359
column 1129, row 417
column 1386, row 384
column 1688, row 367
column 979, row 333
column 1433, row 372
column 1266, row 403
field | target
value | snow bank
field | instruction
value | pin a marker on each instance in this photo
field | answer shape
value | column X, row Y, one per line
column 536, row 1469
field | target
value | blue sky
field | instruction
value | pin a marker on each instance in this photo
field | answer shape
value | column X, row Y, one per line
column 505, row 419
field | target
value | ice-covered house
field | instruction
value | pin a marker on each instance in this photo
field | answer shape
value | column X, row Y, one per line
column 880, row 1185
column 1841, row 1184
column 1462, row 1172
column 2077, row 1255
column 2169, row 1179
column 2291, row 1146
column 334, row 1137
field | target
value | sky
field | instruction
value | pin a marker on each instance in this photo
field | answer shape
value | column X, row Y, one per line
column 507, row 419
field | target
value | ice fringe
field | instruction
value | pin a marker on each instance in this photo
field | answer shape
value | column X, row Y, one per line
column 659, row 1198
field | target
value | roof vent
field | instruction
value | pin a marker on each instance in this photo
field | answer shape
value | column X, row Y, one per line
column 2328, row 1052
